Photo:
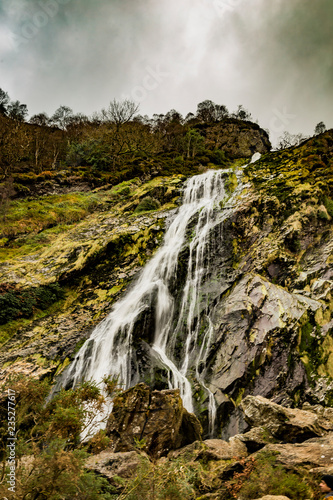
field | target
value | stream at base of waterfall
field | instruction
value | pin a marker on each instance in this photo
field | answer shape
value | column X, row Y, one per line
column 109, row 351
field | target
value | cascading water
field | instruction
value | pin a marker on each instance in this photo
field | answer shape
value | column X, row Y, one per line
column 109, row 350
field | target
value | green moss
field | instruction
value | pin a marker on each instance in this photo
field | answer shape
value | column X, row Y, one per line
column 231, row 182
column 328, row 202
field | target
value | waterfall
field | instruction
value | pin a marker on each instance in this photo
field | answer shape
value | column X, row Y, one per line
column 109, row 350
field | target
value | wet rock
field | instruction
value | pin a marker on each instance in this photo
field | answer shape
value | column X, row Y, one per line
column 156, row 420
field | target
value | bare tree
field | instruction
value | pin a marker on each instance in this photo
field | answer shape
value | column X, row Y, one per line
column 120, row 112
column 287, row 140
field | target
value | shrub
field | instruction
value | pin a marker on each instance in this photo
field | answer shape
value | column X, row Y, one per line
column 217, row 157
column 264, row 477
column 147, row 204
column 164, row 480
column 51, row 466
column 17, row 303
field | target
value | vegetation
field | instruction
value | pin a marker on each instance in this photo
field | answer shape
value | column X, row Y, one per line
column 113, row 145
column 50, row 458
column 16, row 303
column 263, row 476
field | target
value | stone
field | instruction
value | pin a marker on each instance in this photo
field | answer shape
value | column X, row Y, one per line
column 212, row 449
column 273, row 497
column 153, row 420
column 286, row 424
column 109, row 464
column 314, row 453
column 255, row 439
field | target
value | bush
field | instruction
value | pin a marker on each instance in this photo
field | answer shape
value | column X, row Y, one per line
column 264, row 477
column 165, row 480
column 217, row 157
column 18, row 303
column 147, row 204
column 51, row 466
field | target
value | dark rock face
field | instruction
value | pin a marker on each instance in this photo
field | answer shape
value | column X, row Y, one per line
column 156, row 419
column 238, row 139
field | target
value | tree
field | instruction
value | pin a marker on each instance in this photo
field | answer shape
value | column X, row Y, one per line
column 173, row 116
column 193, row 143
column 40, row 119
column 62, row 117
column 288, row 140
column 206, row 111
column 221, row 111
column 120, row 112
column 320, row 128
column 17, row 111
column 4, row 100
column 242, row 113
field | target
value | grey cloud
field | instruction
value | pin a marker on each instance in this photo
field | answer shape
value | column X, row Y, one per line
column 269, row 56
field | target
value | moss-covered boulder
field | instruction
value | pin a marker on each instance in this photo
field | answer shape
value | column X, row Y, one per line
column 153, row 420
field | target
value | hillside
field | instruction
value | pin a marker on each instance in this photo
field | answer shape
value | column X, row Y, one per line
column 262, row 310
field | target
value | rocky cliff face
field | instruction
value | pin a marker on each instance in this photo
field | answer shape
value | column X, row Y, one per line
column 267, row 286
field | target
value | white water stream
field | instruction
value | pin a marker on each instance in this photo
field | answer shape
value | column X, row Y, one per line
column 109, row 350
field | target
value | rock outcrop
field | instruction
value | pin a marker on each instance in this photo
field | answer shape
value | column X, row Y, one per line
column 153, row 420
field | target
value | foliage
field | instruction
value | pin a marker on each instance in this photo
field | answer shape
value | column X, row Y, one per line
column 28, row 215
column 148, row 203
column 113, row 145
column 51, row 464
column 263, row 476
column 320, row 128
column 17, row 303
column 163, row 480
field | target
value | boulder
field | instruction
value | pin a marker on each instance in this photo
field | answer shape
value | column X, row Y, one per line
column 212, row 449
column 273, row 497
column 256, row 438
column 314, row 453
column 153, row 420
column 285, row 424
column 109, row 464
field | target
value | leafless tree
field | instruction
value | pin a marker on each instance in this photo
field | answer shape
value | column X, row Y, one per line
column 120, row 112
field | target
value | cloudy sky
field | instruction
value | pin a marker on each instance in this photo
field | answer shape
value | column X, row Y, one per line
column 273, row 56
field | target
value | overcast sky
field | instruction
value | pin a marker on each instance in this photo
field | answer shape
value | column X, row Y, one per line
column 273, row 56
